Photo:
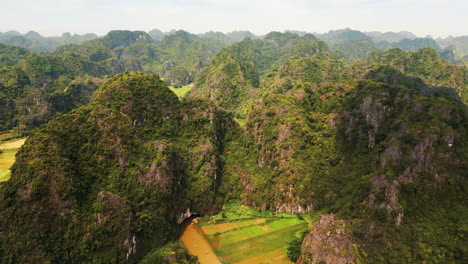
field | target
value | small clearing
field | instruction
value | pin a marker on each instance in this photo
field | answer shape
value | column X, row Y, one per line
column 180, row 92
column 242, row 234
column 8, row 151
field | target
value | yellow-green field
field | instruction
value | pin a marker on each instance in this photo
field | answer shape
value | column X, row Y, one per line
column 180, row 92
column 241, row 234
column 7, row 156
column 5, row 135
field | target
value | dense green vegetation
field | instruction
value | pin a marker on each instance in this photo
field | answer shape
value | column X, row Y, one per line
column 450, row 48
column 426, row 65
column 234, row 73
column 177, row 57
column 320, row 133
column 41, row 87
column 376, row 138
column 182, row 58
column 36, row 88
column 118, row 169
column 173, row 252
column 294, row 247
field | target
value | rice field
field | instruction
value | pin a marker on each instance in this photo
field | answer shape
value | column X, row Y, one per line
column 241, row 234
column 8, row 151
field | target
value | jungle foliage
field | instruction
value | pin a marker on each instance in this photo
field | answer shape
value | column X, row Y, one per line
column 379, row 142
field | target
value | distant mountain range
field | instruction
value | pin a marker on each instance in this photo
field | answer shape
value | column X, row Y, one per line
column 455, row 49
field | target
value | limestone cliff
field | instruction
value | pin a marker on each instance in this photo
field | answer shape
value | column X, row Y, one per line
column 329, row 242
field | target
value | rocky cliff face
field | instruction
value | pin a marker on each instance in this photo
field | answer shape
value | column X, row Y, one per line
column 414, row 143
column 230, row 77
column 329, row 241
column 407, row 150
column 273, row 124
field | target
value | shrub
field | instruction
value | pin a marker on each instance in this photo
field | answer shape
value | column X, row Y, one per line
column 294, row 247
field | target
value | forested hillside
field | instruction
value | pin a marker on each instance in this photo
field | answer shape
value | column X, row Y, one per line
column 36, row 88
column 37, row 43
column 109, row 180
column 369, row 141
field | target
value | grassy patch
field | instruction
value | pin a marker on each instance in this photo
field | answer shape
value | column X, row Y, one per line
column 4, row 175
column 242, row 234
column 180, row 92
column 215, row 229
column 241, row 122
column 7, row 156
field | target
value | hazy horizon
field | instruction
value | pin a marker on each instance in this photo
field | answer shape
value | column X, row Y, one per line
column 225, row 32
column 53, row 18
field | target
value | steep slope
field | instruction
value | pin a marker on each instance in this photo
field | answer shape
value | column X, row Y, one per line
column 41, row 87
column 178, row 57
column 365, row 151
column 108, row 181
column 106, row 50
column 313, row 64
column 40, row 92
column 401, row 179
column 11, row 55
column 233, row 75
column 226, row 71
column 426, row 65
column 184, row 57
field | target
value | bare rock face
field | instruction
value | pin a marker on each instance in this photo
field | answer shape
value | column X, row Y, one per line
column 328, row 242
column 187, row 214
column 293, row 208
column 292, row 203
column 114, row 209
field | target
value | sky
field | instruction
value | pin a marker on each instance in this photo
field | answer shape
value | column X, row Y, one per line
column 438, row 18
